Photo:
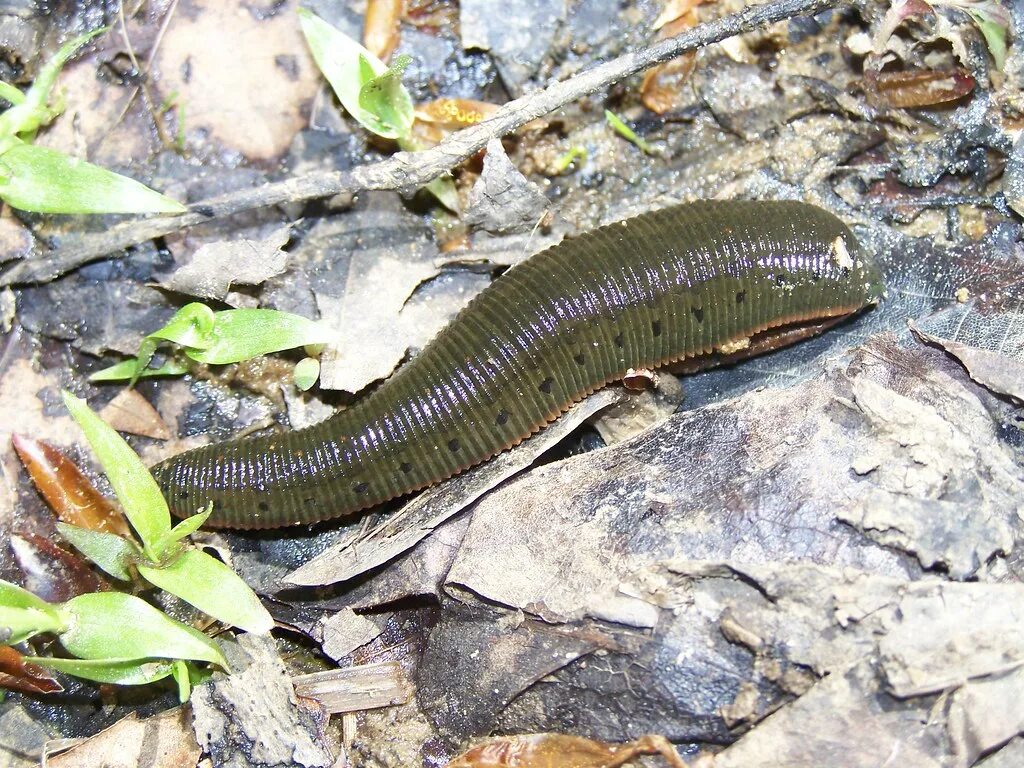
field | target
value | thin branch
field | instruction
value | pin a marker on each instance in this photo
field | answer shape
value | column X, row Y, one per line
column 404, row 170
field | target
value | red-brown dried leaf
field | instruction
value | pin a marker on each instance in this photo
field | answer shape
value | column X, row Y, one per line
column 381, row 25
column 52, row 572
column 918, row 87
column 69, row 493
column 556, row 750
column 18, row 675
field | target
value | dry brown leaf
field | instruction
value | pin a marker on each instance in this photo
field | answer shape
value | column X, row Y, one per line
column 556, row 750
column 244, row 77
column 18, row 675
column 381, row 27
column 661, row 91
column 130, row 412
column 674, row 9
column 69, row 493
column 162, row 741
column 918, row 87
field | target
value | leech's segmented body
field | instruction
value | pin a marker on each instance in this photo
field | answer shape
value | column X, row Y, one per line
column 672, row 284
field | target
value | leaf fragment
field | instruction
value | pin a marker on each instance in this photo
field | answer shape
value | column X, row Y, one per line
column 134, row 486
column 43, row 180
column 66, row 489
column 112, row 625
column 205, row 582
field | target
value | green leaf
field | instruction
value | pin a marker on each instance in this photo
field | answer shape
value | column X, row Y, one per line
column 995, row 32
column 386, row 99
column 191, row 326
column 348, row 67
column 113, row 671
column 11, row 94
column 44, row 180
column 33, row 110
column 626, row 132
column 189, row 525
column 241, row 334
column 135, row 488
column 443, row 190
column 127, row 369
column 307, row 371
column 212, row 587
column 183, row 679
column 112, row 553
column 112, row 625
column 563, row 161
column 23, row 615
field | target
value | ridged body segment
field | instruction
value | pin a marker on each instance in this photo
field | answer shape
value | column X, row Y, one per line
column 667, row 285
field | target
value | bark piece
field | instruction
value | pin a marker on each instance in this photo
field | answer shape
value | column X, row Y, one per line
column 251, row 717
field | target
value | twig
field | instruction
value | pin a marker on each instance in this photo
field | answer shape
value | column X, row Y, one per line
column 403, row 170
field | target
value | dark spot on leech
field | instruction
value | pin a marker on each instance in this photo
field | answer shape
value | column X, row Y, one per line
column 579, row 358
column 698, row 314
column 405, row 466
column 781, row 280
column 361, row 487
column 264, row 507
column 656, row 328
column 453, row 445
column 741, row 297
column 310, row 502
column 502, row 417
column 545, row 386
column 618, row 341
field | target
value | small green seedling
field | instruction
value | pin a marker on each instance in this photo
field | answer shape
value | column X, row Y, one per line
column 307, row 371
column 563, row 161
column 116, row 638
column 159, row 556
column 370, row 91
column 121, row 638
column 218, row 338
column 627, row 133
column 43, row 180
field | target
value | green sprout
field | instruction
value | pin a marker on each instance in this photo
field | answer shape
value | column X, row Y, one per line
column 117, row 638
column 43, row 180
column 159, row 556
column 370, row 91
column 217, row 338
column 563, row 161
column 627, row 133
column 120, row 638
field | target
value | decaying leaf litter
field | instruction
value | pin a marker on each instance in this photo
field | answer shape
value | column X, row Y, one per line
column 825, row 569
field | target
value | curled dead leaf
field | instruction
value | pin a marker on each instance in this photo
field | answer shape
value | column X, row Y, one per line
column 662, row 88
column 73, row 498
column 18, row 675
column 917, row 87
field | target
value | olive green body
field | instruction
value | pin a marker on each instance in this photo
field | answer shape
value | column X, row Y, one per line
column 676, row 283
